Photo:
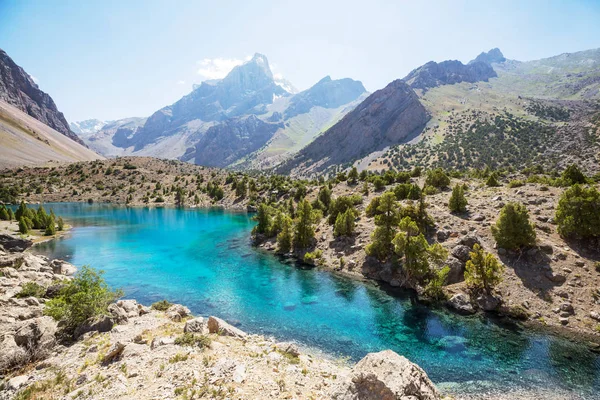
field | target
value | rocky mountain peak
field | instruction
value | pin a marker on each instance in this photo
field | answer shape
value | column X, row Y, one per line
column 492, row 56
column 433, row 74
column 18, row 89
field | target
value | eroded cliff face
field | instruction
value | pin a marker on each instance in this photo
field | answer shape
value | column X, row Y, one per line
column 388, row 116
column 18, row 89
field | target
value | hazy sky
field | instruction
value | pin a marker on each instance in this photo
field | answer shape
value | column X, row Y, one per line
column 115, row 59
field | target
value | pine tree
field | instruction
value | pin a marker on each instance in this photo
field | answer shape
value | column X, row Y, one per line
column 573, row 175
column 50, row 227
column 263, row 217
column 577, row 213
column 4, row 214
column 324, row 197
column 179, row 196
column 386, row 221
column 21, row 211
column 353, row 176
column 344, row 223
column 458, row 202
column 61, row 224
column 513, row 229
column 483, row 270
column 416, row 253
column 284, row 238
column 23, row 226
column 304, row 231
column 492, row 180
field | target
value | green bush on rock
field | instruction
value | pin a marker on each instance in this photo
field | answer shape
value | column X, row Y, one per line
column 86, row 296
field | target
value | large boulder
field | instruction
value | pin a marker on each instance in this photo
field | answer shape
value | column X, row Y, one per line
column 488, row 302
column 102, row 323
column 217, row 325
column 462, row 252
column 457, row 270
column 461, row 303
column 14, row 244
column 385, row 376
column 12, row 354
column 63, row 268
column 37, row 333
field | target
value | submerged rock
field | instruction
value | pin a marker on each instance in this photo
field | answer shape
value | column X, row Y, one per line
column 385, row 376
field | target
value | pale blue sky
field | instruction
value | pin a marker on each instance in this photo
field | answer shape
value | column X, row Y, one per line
column 114, row 59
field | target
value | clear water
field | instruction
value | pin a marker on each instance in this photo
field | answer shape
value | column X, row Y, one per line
column 203, row 259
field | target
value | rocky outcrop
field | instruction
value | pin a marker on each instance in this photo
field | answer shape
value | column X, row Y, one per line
column 18, row 89
column 448, row 72
column 388, row 116
column 385, row 376
column 461, row 303
column 217, row 325
column 14, row 244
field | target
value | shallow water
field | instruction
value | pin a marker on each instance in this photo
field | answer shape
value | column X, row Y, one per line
column 203, row 259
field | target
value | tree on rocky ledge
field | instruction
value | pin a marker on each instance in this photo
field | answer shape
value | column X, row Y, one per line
column 458, row 202
column 483, row 270
column 386, row 220
column 304, row 231
column 416, row 254
column 513, row 229
column 284, row 237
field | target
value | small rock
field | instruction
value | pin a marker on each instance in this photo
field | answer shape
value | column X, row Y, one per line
column 289, row 348
column 462, row 252
column 488, row 302
column 196, row 325
column 114, row 352
column 17, row 382
column 217, row 325
column 563, row 320
column 594, row 315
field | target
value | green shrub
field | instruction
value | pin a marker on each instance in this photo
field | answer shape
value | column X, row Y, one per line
column 513, row 229
column 378, row 183
column 162, row 305
column 435, row 287
column 86, row 296
column 193, row 340
column 313, row 257
column 573, row 175
column 430, row 190
column 31, row 289
column 492, row 180
column 437, row 178
column 50, row 227
column 458, row 201
column 577, row 213
column 515, row 183
column 60, row 224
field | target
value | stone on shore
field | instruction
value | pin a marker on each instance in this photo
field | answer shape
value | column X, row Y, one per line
column 385, row 376
column 218, row 326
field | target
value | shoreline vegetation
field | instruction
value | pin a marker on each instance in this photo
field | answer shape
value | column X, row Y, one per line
column 547, row 279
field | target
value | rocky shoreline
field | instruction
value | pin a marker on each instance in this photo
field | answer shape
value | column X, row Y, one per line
column 133, row 351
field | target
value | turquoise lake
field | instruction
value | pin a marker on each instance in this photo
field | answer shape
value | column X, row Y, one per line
column 204, row 260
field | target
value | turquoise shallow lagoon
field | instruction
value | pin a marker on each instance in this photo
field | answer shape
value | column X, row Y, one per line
column 203, row 259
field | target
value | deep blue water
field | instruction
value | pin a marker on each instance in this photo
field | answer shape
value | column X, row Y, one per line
column 203, row 259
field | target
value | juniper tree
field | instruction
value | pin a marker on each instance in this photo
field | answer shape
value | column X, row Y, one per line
column 578, row 212
column 284, row 238
column 513, row 229
column 458, row 201
column 386, row 220
column 416, row 254
column 483, row 270
column 304, row 231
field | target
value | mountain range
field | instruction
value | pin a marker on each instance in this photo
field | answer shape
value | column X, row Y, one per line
column 491, row 111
